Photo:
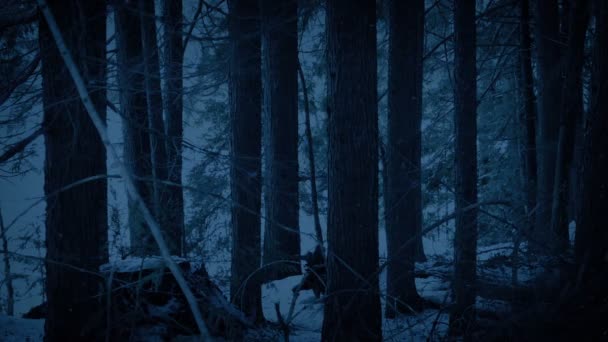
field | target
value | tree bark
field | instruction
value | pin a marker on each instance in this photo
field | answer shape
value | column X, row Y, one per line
column 549, row 90
column 352, row 308
column 174, row 58
column 134, row 108
column 528, row 116
column 76, row 219
column 591, row 247
column 462, row 315
column 403, row 190
column 571, row 109
column 245, row 97
column 158, row 152
column 280, row 76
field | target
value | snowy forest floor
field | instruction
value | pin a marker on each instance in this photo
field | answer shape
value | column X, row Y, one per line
column 431, row 324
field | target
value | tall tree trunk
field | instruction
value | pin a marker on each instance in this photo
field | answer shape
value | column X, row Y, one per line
column 134, row 108
column 571, row 109
column 282, row 231
column 591, row 246
column 352, row 308
column 403, row 190
column 173, row 61
column 462, row 316
column 8, row 276
column 76, row 219
column 311, row 161
column 528, row 116
column 245, row 93
column 158, row 152
column 549, row 60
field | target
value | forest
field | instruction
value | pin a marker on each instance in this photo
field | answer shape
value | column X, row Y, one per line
column 303, row 170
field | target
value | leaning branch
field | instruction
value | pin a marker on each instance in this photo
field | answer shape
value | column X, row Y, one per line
column 20, row 146
column 124, row 173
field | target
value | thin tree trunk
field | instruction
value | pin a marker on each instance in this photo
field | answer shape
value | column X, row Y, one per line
column 549, row 60
column 174, row 58
column 403, row 190
column 352, row 307
column 10, row 292
column 528, row 116
column 158, row 153
column 134, row 108
column 311, row 160
column 462, row 315
column 591, row 247
column 76, row 219
column 571, row 108
column 282, row 230
column 245, row 93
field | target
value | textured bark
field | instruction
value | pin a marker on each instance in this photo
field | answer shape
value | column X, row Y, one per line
column 549, row 90
column 280, row 75
column 134, row 108
column 173, row 59
column 154, row 102
column 352, row 306
column 571, row 110
column 245, row 96
column 527, row 116
column 462, row 316
column 76, row 219
column 403, row 190
column 591, row 248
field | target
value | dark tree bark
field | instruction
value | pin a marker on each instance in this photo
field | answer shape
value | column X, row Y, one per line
column 245, row 93
column 352, row 308
column 527, row 116
column 549, row 90
column 76, row 219
column 462, row 316
column 571, row 110
column 591, row 245
column 403, row 190
column 173, row 59
column 158, row 153
column 134, row 109
column 282, row 231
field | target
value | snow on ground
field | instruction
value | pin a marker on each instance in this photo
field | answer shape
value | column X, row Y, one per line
column 14, row 329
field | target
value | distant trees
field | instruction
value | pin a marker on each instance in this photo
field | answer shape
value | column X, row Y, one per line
column 352, row 307
column 281, row 257
column 245, row 102
column 462, row 315
column 74, row 173
column 403, row 189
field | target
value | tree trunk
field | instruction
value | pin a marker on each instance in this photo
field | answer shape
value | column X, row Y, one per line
column 76, row 219
column 571, row 109
column 352, row 308
column 403, row 190
column 174, row 58
column 549, row 61
column 282, row 230
column 8, row 276
column 245, row 93
column 134, row 108
column 528, row 116
column 154, row 98
column 462, row 316
column 591, row 246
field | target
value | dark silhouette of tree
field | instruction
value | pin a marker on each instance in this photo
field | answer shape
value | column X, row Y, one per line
column 404, row 196
column 245, row 97
column 134, row 110
column 281, row 256
column 76, row 217
column 173, row 102
column 462, row 315
column 571, row 110
column 352, row 307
